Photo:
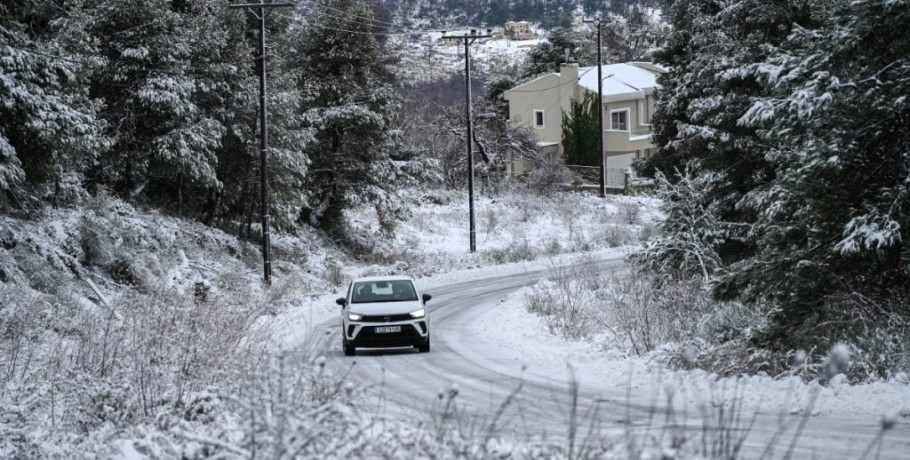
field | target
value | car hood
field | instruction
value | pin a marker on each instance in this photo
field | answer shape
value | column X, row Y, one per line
column 385, row 308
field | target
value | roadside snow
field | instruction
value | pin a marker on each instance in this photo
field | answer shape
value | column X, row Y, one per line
column 523, row 336
column 438, row 232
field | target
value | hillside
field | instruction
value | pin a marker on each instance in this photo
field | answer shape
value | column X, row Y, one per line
column 126, row 327
column 434, row 14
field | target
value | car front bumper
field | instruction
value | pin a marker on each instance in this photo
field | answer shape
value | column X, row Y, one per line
column 364, row 335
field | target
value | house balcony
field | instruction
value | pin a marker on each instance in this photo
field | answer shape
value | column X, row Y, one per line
column 627, row 141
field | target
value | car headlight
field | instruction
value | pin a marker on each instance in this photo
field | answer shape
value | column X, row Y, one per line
column 419, row 313
column 354, row 317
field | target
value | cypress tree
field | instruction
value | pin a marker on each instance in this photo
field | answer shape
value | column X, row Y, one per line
column 580, row 129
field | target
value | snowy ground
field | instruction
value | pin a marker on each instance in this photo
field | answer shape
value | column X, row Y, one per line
column 425, row 57
column 517, row 233
column 438, row 233
column 523, row 337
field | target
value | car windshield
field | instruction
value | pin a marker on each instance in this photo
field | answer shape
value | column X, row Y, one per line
column 383, row 291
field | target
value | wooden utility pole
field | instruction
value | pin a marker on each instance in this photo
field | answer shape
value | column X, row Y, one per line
column 468, row 40
column 600, row 109
column 259, row 10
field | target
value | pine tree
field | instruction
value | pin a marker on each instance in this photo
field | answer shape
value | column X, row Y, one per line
column 49, row 133
column 350, row 103
column 163, row 78
column 239, row 156
column 836, row 221
column 547, row 56
column 711, row 51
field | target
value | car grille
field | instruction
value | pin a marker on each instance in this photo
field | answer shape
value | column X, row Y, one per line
column 385, row 318
column 407, row 336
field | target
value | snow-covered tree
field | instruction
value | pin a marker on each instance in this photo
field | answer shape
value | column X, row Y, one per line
column 159, row 67
column 836, row 220
column 710, row 51
column 797, row 113
column 631, row 34
column 548, row 55
column 238, row 108
column 350, row 102
column 178, row 80
column 49, row 132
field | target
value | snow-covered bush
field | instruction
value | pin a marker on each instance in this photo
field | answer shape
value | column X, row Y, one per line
column 640, row 312
column 691, row 231
column 648, row 311
column 548, row 177
column 617, row 235
column 568, row 302
column 878, row 340
column 517, row 251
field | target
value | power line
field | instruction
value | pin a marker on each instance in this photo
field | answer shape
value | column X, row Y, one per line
column 369, row 20
column 555, row 86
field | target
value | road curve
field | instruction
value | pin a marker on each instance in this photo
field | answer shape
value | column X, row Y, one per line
column 496, row 392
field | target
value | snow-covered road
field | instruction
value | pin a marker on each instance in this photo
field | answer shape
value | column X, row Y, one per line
column 510, row 388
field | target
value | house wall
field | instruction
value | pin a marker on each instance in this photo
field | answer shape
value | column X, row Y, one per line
column 621, row 147
column 520, row 30
column 553, row 94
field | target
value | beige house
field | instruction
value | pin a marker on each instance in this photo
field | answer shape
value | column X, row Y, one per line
column 518, row 30
column 628, row 103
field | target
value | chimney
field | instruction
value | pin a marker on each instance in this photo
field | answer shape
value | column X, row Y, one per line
column 568, row 84
column 568, row 71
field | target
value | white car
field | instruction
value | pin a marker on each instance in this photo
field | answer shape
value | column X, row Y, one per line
column 382, row 312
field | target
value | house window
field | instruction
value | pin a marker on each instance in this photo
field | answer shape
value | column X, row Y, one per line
column 538, row 119
column 619, row 120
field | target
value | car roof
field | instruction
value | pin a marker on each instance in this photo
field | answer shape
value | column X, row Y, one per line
column 384, row 278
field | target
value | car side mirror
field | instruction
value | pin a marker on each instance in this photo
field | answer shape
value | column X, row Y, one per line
column 426, row 298
column 341, row 301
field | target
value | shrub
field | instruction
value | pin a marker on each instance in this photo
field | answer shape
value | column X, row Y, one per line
column 629, row 213
column 517, row 251
column 549, row 177
column 334, row 273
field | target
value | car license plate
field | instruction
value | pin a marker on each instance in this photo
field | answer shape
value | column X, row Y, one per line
column 387, row 329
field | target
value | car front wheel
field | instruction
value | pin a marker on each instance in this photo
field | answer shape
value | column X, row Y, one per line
column 346, row 346
column 425, row 348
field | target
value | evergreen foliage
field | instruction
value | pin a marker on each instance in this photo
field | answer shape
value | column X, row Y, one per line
column 157, row 101
column 704, row 97
column 161, row 90
column 791, row 118
column 49, row 131
column 580, row 128
column 547, row 56
column 350, row 103
column 836, row 221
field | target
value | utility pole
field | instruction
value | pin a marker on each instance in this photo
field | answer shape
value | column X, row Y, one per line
column 468, row 40
column 259, row 10
column 600, row 109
